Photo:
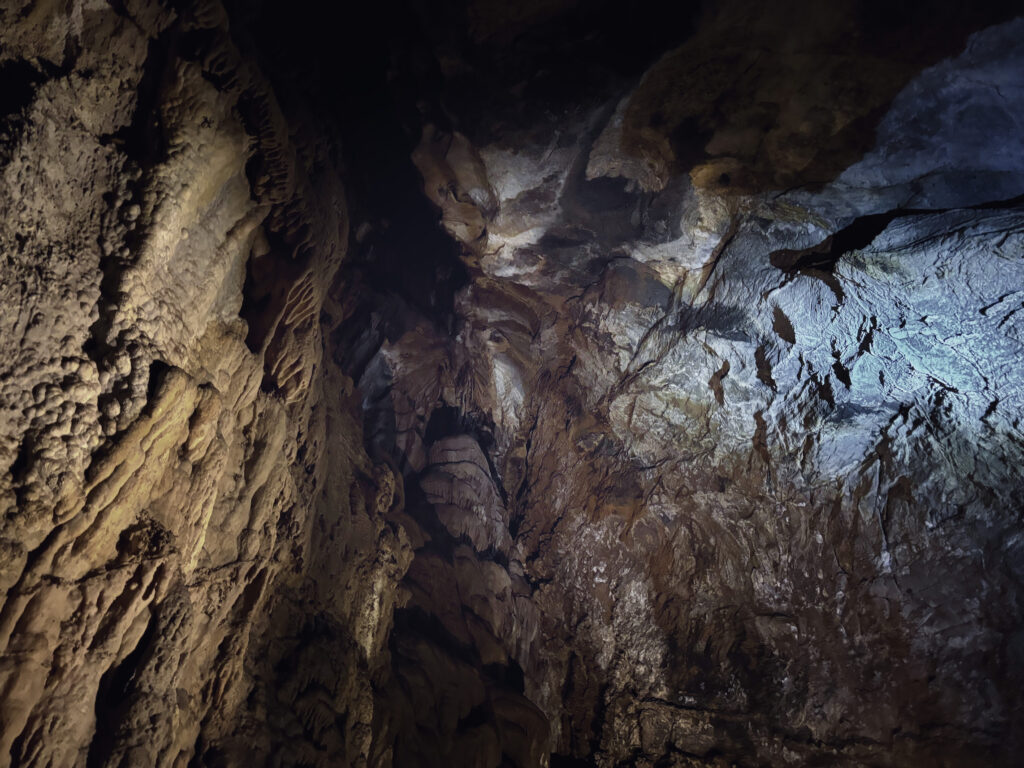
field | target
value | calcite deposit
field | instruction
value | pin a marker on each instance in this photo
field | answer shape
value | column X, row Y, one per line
column 484, row 384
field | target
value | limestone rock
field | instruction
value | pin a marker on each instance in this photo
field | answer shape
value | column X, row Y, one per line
column 463, row 384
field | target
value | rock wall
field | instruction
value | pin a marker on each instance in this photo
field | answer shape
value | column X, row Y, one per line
column 661, row 406
column 182, row 481
column 718, row 464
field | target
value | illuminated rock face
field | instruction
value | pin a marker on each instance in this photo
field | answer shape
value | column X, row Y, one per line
column 660, row 407
column 169, row 536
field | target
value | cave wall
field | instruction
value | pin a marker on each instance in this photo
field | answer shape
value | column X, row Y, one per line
column 170, row 232
column 720, row 462
column 660, row 406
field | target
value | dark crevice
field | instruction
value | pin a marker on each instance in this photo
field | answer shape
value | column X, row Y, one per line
column 263, row 293
column 144, row 146
column 842, row 373
column 115, row 687
column 404, row 251
column 142, row 140
column 821, row 259
column 991, row 408
column 376, row 318
column 868, row 339
column 716, row 382
column 824, row 256
column 95, row 345
column 688, row 140
column 764, row 367
column 21, row 81
column 447, row 421
column 724, row 321
column 782, row 326
column 158, row 370
column 20, row 466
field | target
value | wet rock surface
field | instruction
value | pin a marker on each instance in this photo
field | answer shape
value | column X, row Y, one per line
column 460, row 384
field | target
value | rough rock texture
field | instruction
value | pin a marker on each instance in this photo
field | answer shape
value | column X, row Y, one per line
column 720, row 463
column 662, row 407
column 171, row 548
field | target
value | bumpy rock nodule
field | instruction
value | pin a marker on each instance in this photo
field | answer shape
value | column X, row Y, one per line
column 706, row 450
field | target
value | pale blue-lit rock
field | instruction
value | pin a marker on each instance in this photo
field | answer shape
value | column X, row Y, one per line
column 953, row 137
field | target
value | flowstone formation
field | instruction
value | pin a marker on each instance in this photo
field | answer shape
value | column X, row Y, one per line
column 476, row 384
column 180, row 580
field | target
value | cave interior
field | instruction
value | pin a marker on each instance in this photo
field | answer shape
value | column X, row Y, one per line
column 467, row 383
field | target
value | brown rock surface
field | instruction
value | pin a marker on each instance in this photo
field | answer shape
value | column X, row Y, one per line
column 661, row 406
column 170, row 573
